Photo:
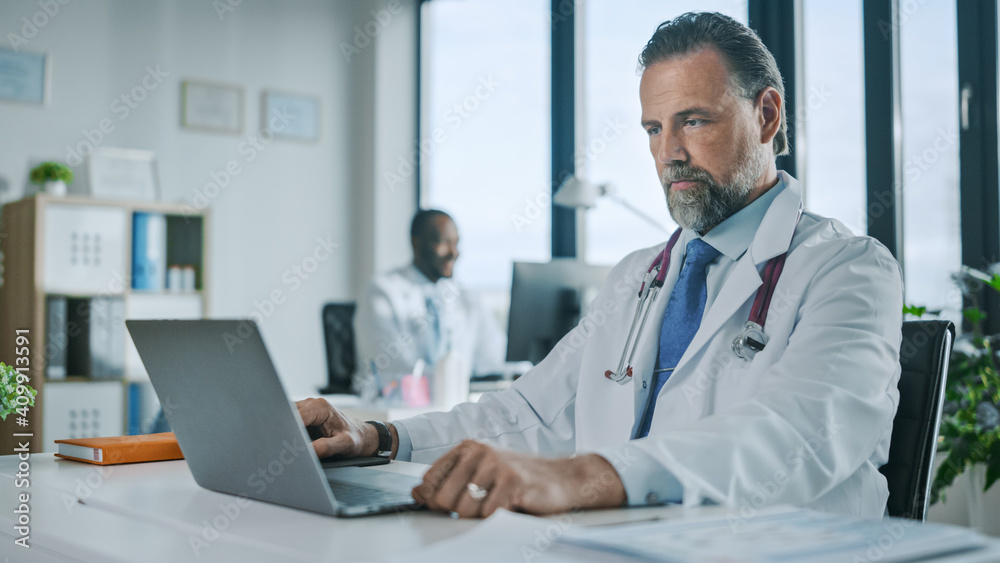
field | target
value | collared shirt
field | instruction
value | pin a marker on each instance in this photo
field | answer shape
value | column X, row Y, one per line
column 733, row 236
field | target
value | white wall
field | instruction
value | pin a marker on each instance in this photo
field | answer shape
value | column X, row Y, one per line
column 270, row 216
column 385, row 93
column 955, row 509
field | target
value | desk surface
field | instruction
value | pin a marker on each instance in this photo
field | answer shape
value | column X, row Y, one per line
column 156, row 512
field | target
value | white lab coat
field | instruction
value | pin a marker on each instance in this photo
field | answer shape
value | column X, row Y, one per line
column 393, row 326
column 806, row 422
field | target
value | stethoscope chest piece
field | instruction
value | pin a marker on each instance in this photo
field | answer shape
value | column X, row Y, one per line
column 750, row 341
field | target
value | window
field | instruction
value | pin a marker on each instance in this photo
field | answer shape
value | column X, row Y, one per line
column 830, row 112
column 615, row 148
column 485, row 94
column 932, row 247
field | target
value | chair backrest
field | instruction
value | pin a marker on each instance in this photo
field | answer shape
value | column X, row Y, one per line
column 338, row 333
column 923, row 357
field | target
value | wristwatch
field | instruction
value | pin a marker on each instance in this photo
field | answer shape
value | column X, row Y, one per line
column 384, row 439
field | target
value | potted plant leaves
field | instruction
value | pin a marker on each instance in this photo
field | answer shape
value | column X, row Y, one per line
column 970, row 425
column 52, row 177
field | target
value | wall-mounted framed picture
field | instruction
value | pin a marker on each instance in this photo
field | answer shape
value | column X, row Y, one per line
column 126, row 174
column 212, row 106
column 291, row 116
column 24, row 77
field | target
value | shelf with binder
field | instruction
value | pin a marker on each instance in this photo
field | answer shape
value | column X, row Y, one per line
column 167, row 252
column 74, row 269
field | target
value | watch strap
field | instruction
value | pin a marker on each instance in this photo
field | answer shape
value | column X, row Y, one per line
column 384, row 438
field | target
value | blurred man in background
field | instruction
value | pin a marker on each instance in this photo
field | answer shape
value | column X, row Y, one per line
column 418, row 312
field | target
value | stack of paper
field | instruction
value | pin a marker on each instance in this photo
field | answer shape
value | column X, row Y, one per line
column 781, row 534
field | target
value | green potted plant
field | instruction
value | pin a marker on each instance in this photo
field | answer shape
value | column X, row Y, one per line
column 9, row 393
column 970, row 425
column 52, row 177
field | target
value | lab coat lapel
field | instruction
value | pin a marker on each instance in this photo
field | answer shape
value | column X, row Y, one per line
column 648, row 346
column 741, row 284
column 776, row 229
column 773, row 237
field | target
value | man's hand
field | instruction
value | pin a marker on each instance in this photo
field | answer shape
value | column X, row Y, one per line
column 517, row 482
column 334, row 433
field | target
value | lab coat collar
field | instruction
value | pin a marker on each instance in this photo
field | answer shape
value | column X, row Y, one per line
column 732, row 237
column 441, row 289
column 412, row 273
column 774, row 236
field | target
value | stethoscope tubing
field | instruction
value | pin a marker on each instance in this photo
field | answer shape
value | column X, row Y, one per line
column 762, row 303
column 647, row 296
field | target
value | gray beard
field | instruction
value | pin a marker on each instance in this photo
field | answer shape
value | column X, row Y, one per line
column 701, row 208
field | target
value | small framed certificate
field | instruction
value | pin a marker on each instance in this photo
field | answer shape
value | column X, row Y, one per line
column 123, row 174
column 291, row 116
column 24, row 77
column 210, row 106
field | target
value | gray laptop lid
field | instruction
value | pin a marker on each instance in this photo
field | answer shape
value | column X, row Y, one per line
column 234, row 423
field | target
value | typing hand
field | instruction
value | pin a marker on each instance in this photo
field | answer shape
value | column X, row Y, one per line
column 517, row 482
column 334, row 433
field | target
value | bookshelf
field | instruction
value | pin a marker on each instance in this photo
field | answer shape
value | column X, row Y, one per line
column 78, row 251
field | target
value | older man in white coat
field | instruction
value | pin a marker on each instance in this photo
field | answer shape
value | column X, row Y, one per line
column 805, row 420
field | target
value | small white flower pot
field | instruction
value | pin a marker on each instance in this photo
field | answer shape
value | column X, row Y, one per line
column 56, row 188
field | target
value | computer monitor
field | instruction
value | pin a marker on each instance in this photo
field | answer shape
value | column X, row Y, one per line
column 547, row 301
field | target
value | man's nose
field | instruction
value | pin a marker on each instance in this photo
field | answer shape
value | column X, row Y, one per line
column 671, row 149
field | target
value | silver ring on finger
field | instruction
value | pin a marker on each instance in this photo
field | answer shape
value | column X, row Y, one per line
column 476, row 492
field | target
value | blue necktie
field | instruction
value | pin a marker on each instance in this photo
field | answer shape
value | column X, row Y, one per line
column 680, row 322
column 432, row 352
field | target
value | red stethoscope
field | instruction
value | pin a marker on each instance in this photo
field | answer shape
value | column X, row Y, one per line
column 750, row 341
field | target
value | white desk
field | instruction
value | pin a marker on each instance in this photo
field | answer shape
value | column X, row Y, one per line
column 160, row 501
column 156, row 512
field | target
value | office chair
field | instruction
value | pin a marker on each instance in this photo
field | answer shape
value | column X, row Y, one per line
column 924, row 355
column 338, row 333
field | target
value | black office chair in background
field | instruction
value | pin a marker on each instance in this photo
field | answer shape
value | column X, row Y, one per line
column 338, row 333
column 924, row 356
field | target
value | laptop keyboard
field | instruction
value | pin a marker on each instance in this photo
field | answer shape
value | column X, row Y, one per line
column 354, row 494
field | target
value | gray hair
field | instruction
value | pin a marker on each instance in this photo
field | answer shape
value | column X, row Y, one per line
column 751, row 66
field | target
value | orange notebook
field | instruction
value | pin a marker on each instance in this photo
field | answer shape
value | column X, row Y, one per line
column 121, row 449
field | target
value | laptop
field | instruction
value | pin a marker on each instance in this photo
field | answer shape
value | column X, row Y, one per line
column 239, row 432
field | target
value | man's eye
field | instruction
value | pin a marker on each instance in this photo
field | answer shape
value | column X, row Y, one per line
column 694, row 122
column 653, row 131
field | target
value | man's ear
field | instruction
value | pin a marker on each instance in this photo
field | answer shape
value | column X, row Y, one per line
column 769, row 114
